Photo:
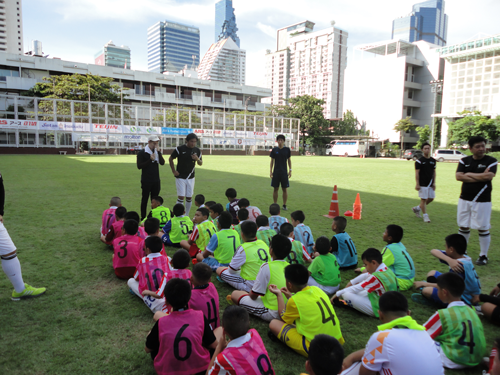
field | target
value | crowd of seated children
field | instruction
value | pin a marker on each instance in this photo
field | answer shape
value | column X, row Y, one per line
column 246, row 262
column 275, row 220
column 260, row 301
column 215, row 211
column 253, row 211
column 454, row 256
column 264, row 232
column 222, row 245
column 178, row 228
column 456, row 329
column 203, row 231
column 324, row 270
column 204, row 296
column 115, row 229
column 108, row 216
column 299, row 254
column 159, row 211
column 363, row 293
column 302, row 232
column 242, row 217
column 342, row 245
column 244, row 353
column 307, row 313
column 127, row 249
column 232, row 207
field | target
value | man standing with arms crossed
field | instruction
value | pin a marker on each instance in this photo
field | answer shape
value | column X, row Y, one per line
column 279, row 157
column 425, row 176
column 474, row 206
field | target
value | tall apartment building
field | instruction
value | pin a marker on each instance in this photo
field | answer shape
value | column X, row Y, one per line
column 309, row 62
column 11, row 26
column 172, row 46
column 427, row 21
column 225, row 22
column 224, row 61
column 111, row 55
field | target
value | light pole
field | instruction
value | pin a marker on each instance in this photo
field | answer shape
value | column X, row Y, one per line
column 437, row 88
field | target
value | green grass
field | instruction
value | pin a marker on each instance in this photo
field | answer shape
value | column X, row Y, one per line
column 88, row 322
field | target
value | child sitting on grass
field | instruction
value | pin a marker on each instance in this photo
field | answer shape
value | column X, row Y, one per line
column 159, row 211
column 324, row 270
column 204, row 296
column 454, row 256
column 457, row 329
column 215, row 211
column 363, row 292
column 178, row 228
column 116, row 228
column 264, row 232
column 242, row 217
column 152, row 229
column 201, row 235
column 275, row 220
column 108, row 216
column 342, row 246
column 253, row 211
column 325, row 356
column 299, row 254
column 127, row 250
column 232, row 206
column 302, row 232
column 133, row 215
column 199, row 201
column 223, row 244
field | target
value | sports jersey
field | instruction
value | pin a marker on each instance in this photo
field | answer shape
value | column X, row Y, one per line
column 299, row 253
column 115, row 231
column 108, row 218
column 303, row 234
column 179, row 229
column 185, row 163
column 312, row 306
column 325, row 270
column 477, row 191
column 460, row 332
column 161, row 213
column 345, row 251
column 249, row 257
column 408, row 350
column 173, row 273
column 205, row 298
column 175, row 356
column 270, row 273
column 253, row 212
column 244, row 355
column 232, row 207
column 426, row 168
column 141, row 232
column 127, row 251
column 202, row 233
column 224, row 244
column 398, row 260
column 280, row 156
column 266, row 234
column 237, row 228
column 276, row 221
column 150, row 271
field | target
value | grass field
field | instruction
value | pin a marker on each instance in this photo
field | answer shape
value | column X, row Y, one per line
column 89, row 323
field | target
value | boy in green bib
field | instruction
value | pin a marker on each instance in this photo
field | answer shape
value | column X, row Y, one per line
column 261, row 301
column 242, row 217
column 178, row 228
column 457, row 330
column 201, row 235
column 324, row 270
column 223, row 244
column 158, row 211
column 264, row 232
column 299, row 254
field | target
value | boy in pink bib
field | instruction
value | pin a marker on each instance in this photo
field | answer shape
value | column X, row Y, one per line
column 115, row 228
column 108, row 216
column 127, row 250
column 204, row 296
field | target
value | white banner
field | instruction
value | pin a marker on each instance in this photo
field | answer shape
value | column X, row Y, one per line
column 48, row 125
column 104, row 128
column 207, row 132
column 22, row 124
column 135, row 138
column 74, row 126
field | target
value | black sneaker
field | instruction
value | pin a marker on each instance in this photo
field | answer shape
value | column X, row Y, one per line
column 284, row 208
column 272, row 337
column 482, row 260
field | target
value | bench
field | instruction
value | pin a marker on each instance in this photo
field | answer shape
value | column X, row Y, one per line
column 98, row 152
column 62, row 152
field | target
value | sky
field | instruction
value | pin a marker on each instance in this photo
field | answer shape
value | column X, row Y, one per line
column 75, row 30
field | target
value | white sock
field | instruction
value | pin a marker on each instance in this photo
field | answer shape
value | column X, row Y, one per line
column 484, row 243
column 465, row 233
column 12, row 269
column 188, row 206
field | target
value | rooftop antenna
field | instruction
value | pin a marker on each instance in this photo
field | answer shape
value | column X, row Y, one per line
column 194, row 60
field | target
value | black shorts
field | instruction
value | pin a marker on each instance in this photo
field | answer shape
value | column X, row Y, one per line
column 280, row 178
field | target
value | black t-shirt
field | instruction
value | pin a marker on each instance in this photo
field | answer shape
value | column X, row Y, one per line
column 426, row 168
column 280, row 156
column 150, row 170
column 185, row 163
column 480, row 189
column 2, row 195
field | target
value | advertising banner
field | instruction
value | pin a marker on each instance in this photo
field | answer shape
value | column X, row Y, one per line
column 48, row 125
column 135, row 138
column 22, row 124
column 176, row 131
column 104, row 128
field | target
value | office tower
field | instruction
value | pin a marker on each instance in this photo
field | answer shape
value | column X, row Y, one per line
column 11, row 27
column 427, row 21
column 224, row 61
column 172, row 46
column 225, row 21
column 111, row 55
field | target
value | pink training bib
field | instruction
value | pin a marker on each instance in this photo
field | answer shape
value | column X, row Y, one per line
column 127, row 250
column 108, row 218
column 207, row 301
column 151, row 272
column 117, row 229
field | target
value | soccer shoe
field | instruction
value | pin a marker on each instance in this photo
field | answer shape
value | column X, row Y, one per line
column 284, row 208
column 339, row 303
column 274, row 338
column 418, row 298
column 28, row 292
column 426, row 218
column 220, row 280
column 482, row 260
column 416, row 211
column 229, row 300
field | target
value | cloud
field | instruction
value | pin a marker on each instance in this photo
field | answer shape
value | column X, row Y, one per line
column 266, row 29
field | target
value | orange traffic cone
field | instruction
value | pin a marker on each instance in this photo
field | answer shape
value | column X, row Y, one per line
column 356, row 208
column 334, row 205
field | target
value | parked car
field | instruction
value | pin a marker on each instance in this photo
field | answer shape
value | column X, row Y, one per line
column 448, row 155
column 412, row 154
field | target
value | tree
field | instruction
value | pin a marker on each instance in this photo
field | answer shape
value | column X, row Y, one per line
column 473, row 123
column 424, row 133
column 404, row 126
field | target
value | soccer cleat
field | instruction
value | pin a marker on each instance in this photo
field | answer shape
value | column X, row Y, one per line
column 416, row 211
column 28, row 292
column 274, row 338
column 478, row 310
column 339, row 303
column 426, row 218
column 229, row 300
column 284, row 208
column 419, row 298
column 220, row 280
column 482, row 260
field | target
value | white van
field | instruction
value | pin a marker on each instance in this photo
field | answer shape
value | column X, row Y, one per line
column 346, row 148
column 448, row 155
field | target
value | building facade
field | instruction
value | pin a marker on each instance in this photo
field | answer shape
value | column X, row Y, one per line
column 471, row 80
column 389, row 81
column 172, row 46
column 427, row 21
column 11, row 26
column 309, row 62
column 225, row 22
column 224, row 61
column 115, row 56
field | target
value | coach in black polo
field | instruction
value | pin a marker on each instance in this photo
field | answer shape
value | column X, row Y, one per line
column 187, row 156
column 148, row 161
column 280, row 156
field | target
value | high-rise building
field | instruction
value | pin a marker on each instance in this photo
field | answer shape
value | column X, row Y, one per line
column 225, row 21
column 427, row 21
column 11, row 26
column 172, row 46
column 111, row 55
column 224, row 61
column 309, row 62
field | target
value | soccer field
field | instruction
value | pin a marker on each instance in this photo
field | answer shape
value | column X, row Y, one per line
column 89, row 323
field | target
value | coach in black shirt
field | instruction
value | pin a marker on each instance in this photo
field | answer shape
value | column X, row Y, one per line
column 187, row 156
column 148, row 161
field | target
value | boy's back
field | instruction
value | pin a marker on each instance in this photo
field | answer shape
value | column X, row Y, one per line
column 206, row 299
column 115, row 230
column 303, row 234
column 161, row 213
column 276, row 221
column 253, row 212
column 472, row 283
column 151, row 271
column 205, row 231
column 180, row 228
column 346, row 253
column 127, row 251
column 228, row 241
column 265, row 235
column 233, row 209
column 325, row 270
column 108, row 218
column 256, row 253
column 298, row 253
column 398, row 260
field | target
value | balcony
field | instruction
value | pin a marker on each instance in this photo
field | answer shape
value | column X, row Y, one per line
column 411, row 103
column 413, row 85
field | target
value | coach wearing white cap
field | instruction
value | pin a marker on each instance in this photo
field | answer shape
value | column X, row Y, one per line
column 148, row 160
